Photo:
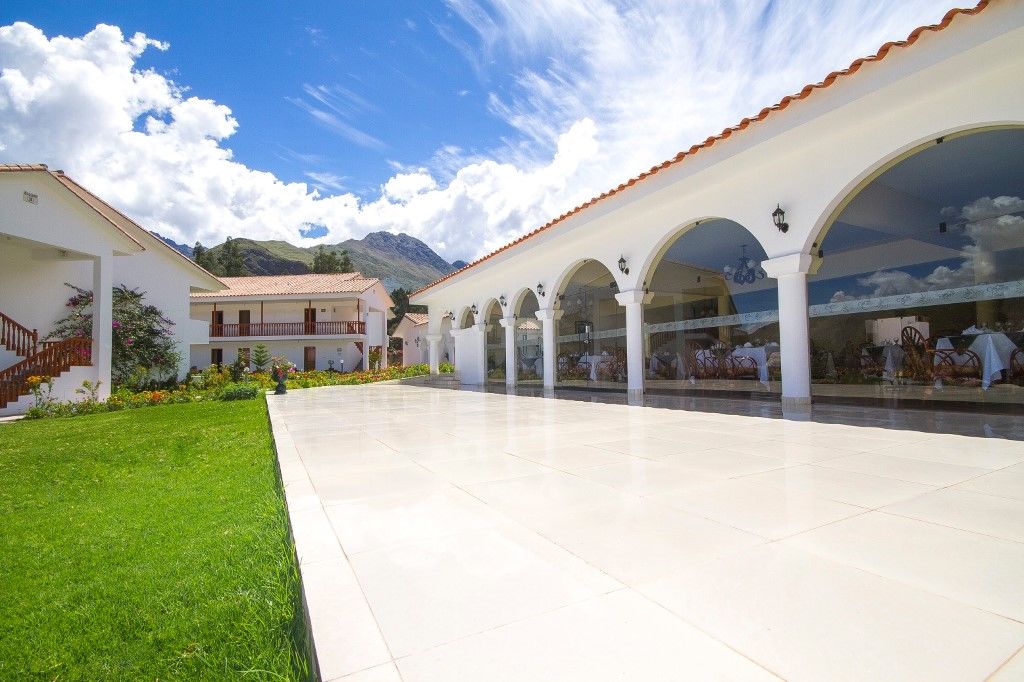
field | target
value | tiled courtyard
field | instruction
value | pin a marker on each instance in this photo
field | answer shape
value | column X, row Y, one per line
column 454, row 535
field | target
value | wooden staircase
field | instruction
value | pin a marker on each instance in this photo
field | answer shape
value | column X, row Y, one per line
column 45, row 359
column 18, row 338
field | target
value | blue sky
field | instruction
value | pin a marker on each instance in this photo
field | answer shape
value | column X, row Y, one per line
column 464, row 123
column 385, row 65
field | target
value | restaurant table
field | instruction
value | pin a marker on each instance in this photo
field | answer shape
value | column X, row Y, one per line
column 592, row 360
column 760, row 355
column 892, row 354
column 994, row 349
column 536, row 363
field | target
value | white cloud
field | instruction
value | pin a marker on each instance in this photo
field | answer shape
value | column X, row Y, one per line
column 994, row 227
column 622, row 87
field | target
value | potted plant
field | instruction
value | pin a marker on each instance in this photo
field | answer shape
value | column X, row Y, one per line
column 279, row 372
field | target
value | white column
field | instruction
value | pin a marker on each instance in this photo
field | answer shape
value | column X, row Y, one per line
column 548, row 317
column 103, row 319
column 633, row 301
column 511, row 369
column 480, row 343
column 434, row 352
column 794, row 332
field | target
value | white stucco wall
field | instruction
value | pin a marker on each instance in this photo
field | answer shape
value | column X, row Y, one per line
column 339, row 350
column 33, row 271
column 808, row 158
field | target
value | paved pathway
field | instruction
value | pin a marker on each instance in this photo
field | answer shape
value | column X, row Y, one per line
column 449, row 535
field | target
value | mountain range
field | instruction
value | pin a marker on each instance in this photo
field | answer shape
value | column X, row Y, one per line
column 397, row 260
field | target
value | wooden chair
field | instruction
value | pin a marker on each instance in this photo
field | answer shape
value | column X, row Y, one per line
column 918, row 360
column 741, row 368
column 702, row 367
column 963, row 367
column 1017, row 367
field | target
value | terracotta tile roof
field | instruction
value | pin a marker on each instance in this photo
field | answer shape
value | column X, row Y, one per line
column 122, row 223
column 417, row 318
column 742, row 125
column 288, row 285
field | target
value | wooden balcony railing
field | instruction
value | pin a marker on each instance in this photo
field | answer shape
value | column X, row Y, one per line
column 52, row 361
column 286, row 329
column 17, row 338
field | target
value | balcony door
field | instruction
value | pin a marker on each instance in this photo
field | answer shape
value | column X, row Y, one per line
column 217, row 323
column 243, row 323
column 310, row 319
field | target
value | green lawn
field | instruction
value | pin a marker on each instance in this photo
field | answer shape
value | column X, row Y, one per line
column 147, row 544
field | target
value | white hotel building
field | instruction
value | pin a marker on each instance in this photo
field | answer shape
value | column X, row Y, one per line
column 329, row 321
column 860, row 240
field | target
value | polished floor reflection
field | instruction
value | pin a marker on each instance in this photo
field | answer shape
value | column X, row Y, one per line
column 475, row 535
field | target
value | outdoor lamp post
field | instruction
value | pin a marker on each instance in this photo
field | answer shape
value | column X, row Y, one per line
column 779, row 218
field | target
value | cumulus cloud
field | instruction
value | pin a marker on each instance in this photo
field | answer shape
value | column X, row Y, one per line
column 621, row 88
column 995, row 229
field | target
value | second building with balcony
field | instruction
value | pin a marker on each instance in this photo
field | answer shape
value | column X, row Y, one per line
column 330, row 321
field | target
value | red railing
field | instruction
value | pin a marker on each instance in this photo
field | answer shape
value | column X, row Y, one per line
column 286, row 329
column 17, row 338
column 52, row 361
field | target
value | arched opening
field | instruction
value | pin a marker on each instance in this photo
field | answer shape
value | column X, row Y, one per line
column 919, row 292
column 529, row 344
column 711, row 321
column 590, row 337
column 467, row 319
column 495, row 343
column 446, row 347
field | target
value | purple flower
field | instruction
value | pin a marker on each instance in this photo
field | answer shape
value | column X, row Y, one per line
column 128, row 342
column 117, row 325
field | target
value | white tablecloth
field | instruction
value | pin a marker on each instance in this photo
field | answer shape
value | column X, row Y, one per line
column 537, row 364
column 994, row 349
column 759, row 355
column 592, row 360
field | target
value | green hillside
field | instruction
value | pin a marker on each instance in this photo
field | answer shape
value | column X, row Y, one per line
column 397, row 260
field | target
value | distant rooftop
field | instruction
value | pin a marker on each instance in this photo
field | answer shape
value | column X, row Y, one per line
column 418, row 318
column 291, row 285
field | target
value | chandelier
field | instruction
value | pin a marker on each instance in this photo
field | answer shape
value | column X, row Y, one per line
column 746, row 271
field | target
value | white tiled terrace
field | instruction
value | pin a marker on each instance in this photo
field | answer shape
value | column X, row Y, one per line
column 449, row 535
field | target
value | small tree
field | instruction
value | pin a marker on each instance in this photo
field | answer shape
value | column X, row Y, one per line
column 325, row 262
column 204, row 259
column 260, row 357
column 143, row 346
column 231, row 261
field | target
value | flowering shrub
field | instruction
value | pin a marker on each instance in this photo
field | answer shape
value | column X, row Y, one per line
column 143, row 347
column 213, row 383
column 446, row 368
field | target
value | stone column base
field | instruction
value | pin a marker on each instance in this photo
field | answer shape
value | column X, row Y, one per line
column 789, row 403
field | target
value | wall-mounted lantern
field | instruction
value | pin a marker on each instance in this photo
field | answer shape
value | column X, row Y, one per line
column 622, row 265
column 779, row 218
column 417, row 342
column 540, row 290
column 473, row 309
column 503, row 301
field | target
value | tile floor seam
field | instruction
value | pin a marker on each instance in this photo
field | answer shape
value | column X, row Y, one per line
column 945, row 525
column 521, row 619
column 1004, row 664
column 902, row 582
column 709, row 635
